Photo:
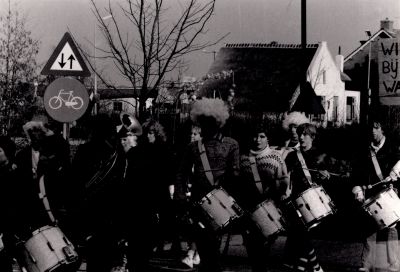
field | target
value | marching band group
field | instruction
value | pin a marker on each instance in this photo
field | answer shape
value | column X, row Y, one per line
column 113, row 201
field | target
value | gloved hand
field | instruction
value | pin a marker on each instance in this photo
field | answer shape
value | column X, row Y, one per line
column 358, row 193
column 324, row 174
column 392, row 177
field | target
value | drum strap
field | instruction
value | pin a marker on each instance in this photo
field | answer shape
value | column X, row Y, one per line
column 378, row 170
column 43, row 197
column 256, row 175
column 206, row 164
column 304, row 166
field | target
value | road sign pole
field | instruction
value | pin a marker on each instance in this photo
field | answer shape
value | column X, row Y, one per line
column 66, row 131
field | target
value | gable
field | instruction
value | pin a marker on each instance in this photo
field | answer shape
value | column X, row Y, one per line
column 379, row 34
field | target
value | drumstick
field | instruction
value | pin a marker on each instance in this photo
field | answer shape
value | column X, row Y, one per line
column 330, row 173
column 370, row 186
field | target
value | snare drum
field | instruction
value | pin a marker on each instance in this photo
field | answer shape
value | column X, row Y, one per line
column 313, row 205
column 48, row 249
column 220, row 208
column 268, row 218
column 384, row 208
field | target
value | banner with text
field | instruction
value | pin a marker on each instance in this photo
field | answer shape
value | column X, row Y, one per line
column 389, row 71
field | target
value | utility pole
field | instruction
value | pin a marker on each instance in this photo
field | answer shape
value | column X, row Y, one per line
column 304, row 36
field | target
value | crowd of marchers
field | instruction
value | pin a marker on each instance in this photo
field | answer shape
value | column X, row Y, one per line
column 125, row 195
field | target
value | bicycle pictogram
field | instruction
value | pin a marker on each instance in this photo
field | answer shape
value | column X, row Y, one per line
column 66, row 97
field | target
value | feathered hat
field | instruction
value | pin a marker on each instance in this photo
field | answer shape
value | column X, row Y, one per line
column 215, row 108
column 294, row 118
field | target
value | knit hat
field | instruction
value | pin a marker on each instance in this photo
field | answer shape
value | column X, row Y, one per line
column 294, row 118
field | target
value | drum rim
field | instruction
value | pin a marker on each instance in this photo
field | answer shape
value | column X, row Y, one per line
column 259, row 205
column 316, row 221
column 313, row 187
column 41, row 229
column 319, row 217
column 381, row 227
column 210, row 193
column 370, row 200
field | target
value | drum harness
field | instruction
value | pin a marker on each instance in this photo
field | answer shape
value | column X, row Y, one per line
column 377, row 168
column 68, row 251
column 304, row 167
column 256, row 175
column 43, row 197
column 207, row 171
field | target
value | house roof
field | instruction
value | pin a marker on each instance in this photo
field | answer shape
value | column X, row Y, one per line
column 380, row 33
column 111, row 93
column 265, row 75
column 117, row 93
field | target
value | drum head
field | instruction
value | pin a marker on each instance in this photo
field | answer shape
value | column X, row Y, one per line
column 372, row 199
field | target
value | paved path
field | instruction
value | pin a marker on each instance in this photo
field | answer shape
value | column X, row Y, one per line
column 334, row 256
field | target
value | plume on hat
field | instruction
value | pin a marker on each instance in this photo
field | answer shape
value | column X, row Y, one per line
column 215, row 108
column 294, row 118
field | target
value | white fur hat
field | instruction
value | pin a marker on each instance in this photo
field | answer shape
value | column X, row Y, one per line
column 295, row 118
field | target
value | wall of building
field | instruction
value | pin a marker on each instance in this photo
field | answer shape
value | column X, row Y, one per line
column 110, row 105
column 324, row 76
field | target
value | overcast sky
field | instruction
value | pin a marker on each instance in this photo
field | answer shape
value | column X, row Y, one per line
column 339, row 22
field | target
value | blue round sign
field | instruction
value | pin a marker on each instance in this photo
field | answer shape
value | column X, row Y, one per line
column 66, row 99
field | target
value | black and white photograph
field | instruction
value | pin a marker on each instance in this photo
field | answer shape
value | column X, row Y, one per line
column 199, row 135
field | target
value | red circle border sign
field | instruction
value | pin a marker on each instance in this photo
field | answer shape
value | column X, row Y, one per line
column 66, row 99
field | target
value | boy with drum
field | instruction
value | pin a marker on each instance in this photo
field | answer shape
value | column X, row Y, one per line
column 305, row 167
column 373, row 171
column 216, row 164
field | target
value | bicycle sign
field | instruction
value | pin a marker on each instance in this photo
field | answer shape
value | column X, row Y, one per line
column 66, row 99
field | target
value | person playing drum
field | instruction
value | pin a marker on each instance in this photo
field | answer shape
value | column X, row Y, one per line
column 300, row 254
column 264, row 178
column 222, row 154
column 371, row 174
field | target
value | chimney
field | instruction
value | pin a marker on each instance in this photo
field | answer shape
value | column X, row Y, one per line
column 387, row 25
column 339, row 60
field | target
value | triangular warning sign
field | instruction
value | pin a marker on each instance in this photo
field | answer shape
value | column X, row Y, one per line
column 66, row 60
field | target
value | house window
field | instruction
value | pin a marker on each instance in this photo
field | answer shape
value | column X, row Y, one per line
column 335, row 108
column 117, row 106
column 324, row 77
column 319, row 117
column 350, row 108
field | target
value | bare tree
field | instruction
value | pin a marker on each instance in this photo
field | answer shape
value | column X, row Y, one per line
column 18, row 66
column 145, row 43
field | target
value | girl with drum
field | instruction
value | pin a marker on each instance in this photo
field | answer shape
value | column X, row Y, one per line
column 300, row 253
column 374, row 168
column 264, row 181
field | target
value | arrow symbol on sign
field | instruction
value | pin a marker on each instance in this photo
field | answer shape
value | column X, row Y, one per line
column 71, row 58
column 62, row 63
